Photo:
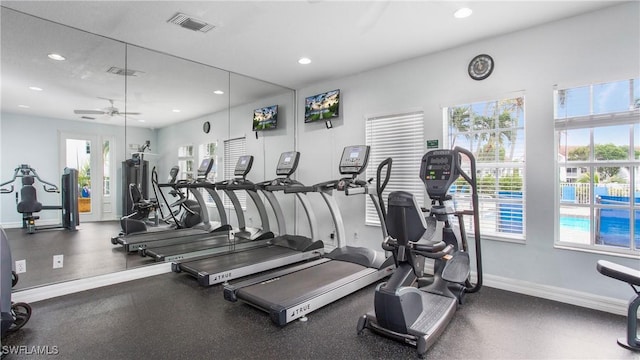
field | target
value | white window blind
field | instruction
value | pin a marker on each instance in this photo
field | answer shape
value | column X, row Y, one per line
column 233, row 149
column 401, row 137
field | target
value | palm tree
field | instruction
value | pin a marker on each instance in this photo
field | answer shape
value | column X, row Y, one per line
column 459, row 119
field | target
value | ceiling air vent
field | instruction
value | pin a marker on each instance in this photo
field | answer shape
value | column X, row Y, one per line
column 190, row 23
column 123, row 72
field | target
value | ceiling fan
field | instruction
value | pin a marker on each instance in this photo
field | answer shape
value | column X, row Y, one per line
column 111, row 111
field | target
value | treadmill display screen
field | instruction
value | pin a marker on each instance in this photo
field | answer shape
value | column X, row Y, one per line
column 354, row 159
column 287, row 163
column 243, row 166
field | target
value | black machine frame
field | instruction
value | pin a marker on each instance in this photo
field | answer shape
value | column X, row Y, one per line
column 69, row 198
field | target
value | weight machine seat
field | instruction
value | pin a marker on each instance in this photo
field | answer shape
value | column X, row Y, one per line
column 631, row 277
column 619, row 272
column 29, row 201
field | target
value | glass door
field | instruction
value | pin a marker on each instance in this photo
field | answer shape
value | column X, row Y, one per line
column 80, row 152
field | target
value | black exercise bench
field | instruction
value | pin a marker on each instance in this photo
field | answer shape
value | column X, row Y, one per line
column 631, row 277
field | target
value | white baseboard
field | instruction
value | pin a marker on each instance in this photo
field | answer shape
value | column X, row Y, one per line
column 74, row 286
column 587, row 300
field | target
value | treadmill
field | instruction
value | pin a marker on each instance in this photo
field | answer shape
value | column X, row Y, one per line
column 137, row 241
column 277, row 252
column 234, row 239
column 240, row 182
column 292, row 293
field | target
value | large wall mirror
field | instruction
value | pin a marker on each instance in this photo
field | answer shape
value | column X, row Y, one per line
column 95, row 112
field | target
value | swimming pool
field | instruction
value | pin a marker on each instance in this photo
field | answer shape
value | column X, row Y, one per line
column 575, row 223
column 612, row 231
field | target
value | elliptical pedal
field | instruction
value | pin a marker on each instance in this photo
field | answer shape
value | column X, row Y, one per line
column 457, row 269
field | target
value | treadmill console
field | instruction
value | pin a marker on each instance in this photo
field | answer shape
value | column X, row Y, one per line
column 205, row 168
column 354, row 159
column 243, row 166
column 288, row 163
column 438, row 170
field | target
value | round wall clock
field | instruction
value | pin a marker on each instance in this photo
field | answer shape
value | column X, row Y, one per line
column 206, row 127
column 481, row 67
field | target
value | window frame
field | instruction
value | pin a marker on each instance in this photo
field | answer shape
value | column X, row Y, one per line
column 592, row 122
column 510, row 210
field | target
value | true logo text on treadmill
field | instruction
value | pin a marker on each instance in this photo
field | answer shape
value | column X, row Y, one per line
column 301, row 310
column 224, row 276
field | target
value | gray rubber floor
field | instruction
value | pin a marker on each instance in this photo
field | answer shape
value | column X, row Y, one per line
column 170, row 317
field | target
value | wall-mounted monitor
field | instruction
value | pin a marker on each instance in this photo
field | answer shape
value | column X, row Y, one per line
column 265, row 118
column 323, row 106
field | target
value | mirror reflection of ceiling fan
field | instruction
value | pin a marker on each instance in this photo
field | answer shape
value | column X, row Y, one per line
column 111, row 111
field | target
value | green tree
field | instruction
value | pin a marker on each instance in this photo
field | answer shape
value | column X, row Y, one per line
column 459, row 119
column 511, row 182
column 610, row 152
column 580, row 153
column 487, row 184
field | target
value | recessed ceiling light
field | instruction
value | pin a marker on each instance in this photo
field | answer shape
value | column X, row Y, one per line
column 56, row 57
column 35, row 88
column 141, row 120
column 304, row 61
column 176, row 110
column 462, row 13
column 218, row 92
column 24, row 106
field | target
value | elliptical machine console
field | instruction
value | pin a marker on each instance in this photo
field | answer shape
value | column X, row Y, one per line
column 402, row 311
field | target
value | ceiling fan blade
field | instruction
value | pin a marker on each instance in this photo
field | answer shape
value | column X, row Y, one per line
column 89, row 112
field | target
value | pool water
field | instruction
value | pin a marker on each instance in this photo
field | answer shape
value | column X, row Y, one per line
column 575, row 223
column 613, row 231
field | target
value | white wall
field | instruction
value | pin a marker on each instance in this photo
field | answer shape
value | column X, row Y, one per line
column 35, row 141
column 596, row 47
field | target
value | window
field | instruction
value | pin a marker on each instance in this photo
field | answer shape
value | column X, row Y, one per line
column 494, row 132
column 399, row 136
column 185, row 162
column 209, row 151
column 598, row 162
column 106, row 168
column 233, row 149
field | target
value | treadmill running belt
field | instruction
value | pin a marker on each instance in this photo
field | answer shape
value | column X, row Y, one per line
column 296, row 284
column 204, row 243
column 153, row 236
column 215, row 264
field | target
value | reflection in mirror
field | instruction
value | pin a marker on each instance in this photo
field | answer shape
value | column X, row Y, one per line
column 61, row 111
column 175, row 97
column 265, row 144
column 108, row 117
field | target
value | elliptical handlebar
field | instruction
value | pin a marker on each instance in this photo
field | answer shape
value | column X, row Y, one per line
column 6, row 191
column 381, row 185
column 472, row 180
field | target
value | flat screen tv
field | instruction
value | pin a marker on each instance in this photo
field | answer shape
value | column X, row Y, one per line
column 265, row 118
column 323, row 106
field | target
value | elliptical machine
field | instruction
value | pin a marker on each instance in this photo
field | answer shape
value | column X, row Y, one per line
column 13, row 316
column 417, row 316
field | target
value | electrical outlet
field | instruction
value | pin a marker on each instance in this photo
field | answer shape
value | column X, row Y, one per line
column 58, row 261
column 21, row 266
